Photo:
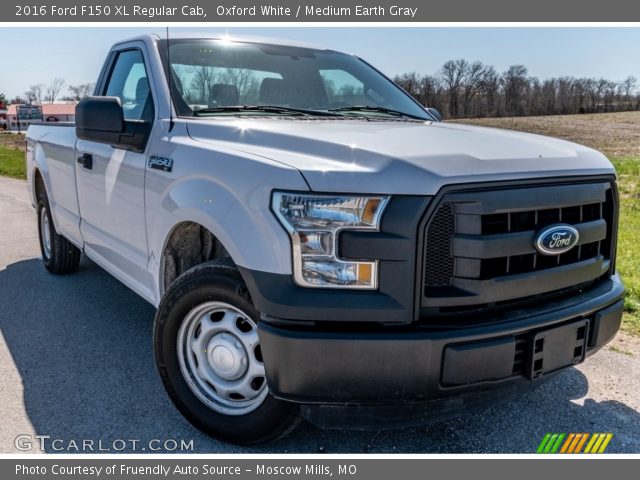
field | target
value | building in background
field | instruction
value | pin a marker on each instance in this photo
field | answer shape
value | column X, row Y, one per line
column 19, row 117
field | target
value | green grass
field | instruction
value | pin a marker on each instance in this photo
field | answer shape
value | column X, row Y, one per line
column 12, row 162
column 628, row 260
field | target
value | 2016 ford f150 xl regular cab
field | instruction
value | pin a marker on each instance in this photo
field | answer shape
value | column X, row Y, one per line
column 317, row 243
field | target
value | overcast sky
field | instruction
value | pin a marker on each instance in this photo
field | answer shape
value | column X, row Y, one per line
column 36, row 55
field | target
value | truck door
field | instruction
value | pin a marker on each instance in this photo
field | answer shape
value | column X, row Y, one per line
column 110, row 179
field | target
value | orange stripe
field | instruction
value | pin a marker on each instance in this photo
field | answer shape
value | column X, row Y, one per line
column 576, row 437
column 581, row 444
column 566, row 444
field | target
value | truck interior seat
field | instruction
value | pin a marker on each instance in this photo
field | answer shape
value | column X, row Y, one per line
column 141, row 99
column 273, row 92
column 225, row 94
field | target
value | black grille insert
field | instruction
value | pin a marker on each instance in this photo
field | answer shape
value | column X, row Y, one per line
column 442, row 227
column 479, row 245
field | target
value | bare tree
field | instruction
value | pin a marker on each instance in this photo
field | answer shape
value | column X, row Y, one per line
column 472, row 82
column 243, row 79
column 628, row 87
column 453, row 73
column 514, row 81
column 34, row 94
column 200, row 89
column 78, row 92
column 490, row 89
column 54, row 89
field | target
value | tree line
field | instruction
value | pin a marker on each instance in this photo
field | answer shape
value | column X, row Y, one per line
column 459, row 89
column 463, row 89
column 41, row 93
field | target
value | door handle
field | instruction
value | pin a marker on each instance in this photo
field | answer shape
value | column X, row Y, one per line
column 86, row 160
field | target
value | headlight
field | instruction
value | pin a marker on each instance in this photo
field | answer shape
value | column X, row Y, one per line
column 314, row 223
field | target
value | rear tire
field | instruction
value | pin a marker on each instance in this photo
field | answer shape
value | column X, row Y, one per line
column 207, row 309
column 59, row 255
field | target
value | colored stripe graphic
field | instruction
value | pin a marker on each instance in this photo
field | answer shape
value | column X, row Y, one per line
column 555, row 447
column 605, row 443
column 543, row 443
column 593, row 439
column 582, row 442
column 574, row 442
column 568, row 442
column 551, row 443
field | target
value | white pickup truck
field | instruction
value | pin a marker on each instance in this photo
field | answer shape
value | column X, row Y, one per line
column 318, row 244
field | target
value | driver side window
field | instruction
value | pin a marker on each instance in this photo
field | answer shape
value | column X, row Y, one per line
column 129, row 82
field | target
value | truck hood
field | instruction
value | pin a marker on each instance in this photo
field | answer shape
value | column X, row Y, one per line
column 413, row 158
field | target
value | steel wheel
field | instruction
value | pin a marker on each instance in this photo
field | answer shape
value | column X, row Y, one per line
column 219, row 357
column 45, row 232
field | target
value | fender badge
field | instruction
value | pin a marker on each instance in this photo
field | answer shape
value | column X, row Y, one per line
column 160, row 163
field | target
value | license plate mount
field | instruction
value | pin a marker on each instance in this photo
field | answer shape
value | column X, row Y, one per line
column 557, row 348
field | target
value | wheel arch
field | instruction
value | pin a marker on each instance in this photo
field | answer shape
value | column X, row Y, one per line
column 187, row 244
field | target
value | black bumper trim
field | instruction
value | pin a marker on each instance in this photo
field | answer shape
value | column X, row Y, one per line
column 309, row 365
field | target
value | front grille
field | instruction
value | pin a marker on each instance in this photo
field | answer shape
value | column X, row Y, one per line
column 440, row 266
column 479, row 244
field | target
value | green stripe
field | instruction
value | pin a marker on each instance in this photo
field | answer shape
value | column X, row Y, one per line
column 558, row 443
column 543, row 443
column 551, row 442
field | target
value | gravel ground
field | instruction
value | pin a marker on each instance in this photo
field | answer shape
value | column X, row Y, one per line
column 76, row 363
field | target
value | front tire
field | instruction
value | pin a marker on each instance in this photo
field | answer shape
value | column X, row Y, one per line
column 208, row 355
column 59, row 255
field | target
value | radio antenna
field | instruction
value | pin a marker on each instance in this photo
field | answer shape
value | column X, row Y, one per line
column 171, row 122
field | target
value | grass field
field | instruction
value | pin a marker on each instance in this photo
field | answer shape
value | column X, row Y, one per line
column 617, row 135
column 12, row 155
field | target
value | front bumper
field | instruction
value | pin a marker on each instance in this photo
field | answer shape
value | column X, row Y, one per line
column 327, row 365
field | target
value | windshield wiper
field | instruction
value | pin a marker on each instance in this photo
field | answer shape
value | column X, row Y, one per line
column 266, row 109
column 366, row 108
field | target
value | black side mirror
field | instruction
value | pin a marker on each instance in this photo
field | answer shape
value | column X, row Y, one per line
column 435, row 113
column 101, row 119
column 99, row 114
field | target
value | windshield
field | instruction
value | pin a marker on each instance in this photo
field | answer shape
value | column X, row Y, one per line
column 208, row 75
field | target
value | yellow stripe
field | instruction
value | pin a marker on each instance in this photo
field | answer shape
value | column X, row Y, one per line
column 584, row 439
column 596, row 446
column 591, row 442
column 575, row 442
column 567, row 442
column 606, row 442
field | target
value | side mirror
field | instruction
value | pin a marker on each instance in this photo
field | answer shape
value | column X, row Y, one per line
column 101, row 120
column 99, row 114
column 435, row 113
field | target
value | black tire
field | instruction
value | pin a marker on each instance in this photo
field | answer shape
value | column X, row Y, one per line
column 61, row 257
column 217, row 281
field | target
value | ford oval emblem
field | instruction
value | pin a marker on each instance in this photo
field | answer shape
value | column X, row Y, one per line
column 556, row 239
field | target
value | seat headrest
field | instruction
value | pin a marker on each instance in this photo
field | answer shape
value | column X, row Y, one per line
column 142, row 89
column 225, row 94
column 273, row 92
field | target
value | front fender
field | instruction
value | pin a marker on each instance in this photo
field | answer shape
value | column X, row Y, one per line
column 234, row 205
